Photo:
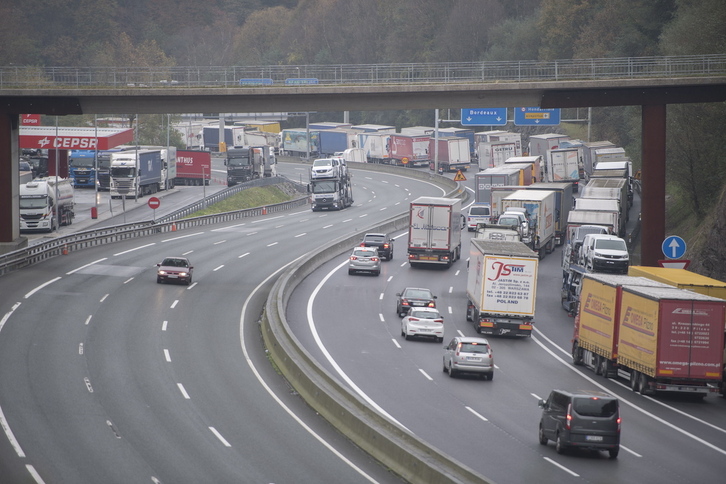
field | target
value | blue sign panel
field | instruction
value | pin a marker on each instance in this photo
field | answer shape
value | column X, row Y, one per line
column 300, row 80
column 673, row 247
column 484, row 117
column 255, row 82
column 536, row 116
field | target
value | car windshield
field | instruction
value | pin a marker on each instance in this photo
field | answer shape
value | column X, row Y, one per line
column 425, row 314
column 474, row 348
column 417, row 294
column 479, row 211
column 611, row 244
column 595, row 407
column 322, row 163
column 174, row 263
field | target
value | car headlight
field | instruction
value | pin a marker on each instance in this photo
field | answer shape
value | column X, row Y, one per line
column 161, row 273
column 183, row 274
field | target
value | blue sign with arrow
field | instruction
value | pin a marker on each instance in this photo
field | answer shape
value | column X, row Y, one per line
column 536, row 116
column 673, row 247
column 484, row 117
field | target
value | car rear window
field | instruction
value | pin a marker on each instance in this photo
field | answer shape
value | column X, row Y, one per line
column 479, row 211
column 364, row 253
column 417, row 294
column 474, row 348
column 425, row 314
column 374, row 238
column 595, row 407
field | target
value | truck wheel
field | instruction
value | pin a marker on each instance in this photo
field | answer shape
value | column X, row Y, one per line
column 643, row 384
column 634, row 380
column 598, row 364
column 576, row 354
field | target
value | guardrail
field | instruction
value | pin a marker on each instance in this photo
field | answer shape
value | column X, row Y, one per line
column 169, row 223
column 28, row 77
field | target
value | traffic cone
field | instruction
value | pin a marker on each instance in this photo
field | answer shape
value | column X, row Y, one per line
column 264, row 210
column 64, row 251
column 173, row 227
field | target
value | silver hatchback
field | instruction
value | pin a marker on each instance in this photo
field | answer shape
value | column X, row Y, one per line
column 364, row 259
column 466, row 354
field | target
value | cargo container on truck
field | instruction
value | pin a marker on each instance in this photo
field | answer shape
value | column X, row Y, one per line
column 668, row 339
column 563, row 205
column 296, row 142
column 374, row 128
column 460, row 133
column 500, row 136
column 579, row 217
column 434, row 233
column 329, row 125
column 493, row 177
column 495, row 153
column 604, row 205
column 588, row 155
column 193, row 167
column 563, row 165
column 540, row 144
column 375, row 145
column 210, row 137
column 612, row 188
column 501, row 287
column 331, row 141
column 418, row 130
column 45, row 204
column 135, row 173
column 409, row 150
column 540, row 205
column 535, row 171
column 499, row 193
column 453, row 154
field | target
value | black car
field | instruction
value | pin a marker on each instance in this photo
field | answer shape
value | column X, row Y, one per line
column 418, row 297
column 382, row 243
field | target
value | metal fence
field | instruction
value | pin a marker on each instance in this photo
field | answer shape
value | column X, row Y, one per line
column 28, row 77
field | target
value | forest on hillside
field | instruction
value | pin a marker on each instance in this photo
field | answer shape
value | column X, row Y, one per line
column 267, row 32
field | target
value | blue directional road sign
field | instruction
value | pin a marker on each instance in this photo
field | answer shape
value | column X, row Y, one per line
column 300, row 80
column 255, row 82
column 536, row 116
column 484, row 117
column 673, row 247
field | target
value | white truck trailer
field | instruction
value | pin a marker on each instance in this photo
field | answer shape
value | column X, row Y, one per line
column 434, row 233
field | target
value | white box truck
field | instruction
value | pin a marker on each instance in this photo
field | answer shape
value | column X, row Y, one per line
column 501, row 287
column 540, row 205
column 434, row 233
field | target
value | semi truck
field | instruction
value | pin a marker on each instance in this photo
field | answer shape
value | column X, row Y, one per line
column 82, row 168
column 375, row 145
column 459, row 133
column 659, row 338
column 493, row 177
column 453, row 154
column 333, row 193
column 247, row 163
column 331, row 141
column 563, row 205
column 563, row 165
column 434, row 232
column 193, row 167
column 540, row 205
column 495, row 153
column 40, row 199
column 612, row 207
column 612, row 188
column 540, row 144
column 588, row 155
column 135, row 173
column 501, row 287
column 409, row 150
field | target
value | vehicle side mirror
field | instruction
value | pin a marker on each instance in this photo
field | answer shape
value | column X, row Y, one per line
column 191, row 267
column 542, row 404
column 158, row 265
column 435, row 297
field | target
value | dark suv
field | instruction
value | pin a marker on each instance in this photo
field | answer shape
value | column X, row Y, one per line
column 382, row 243
column 581, row 419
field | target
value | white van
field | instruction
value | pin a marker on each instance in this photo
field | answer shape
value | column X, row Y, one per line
column 479, row 213
column 605, row 253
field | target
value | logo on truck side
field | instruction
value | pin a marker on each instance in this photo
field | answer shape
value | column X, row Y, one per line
column 503, row 269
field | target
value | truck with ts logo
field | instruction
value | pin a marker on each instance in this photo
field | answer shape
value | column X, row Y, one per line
column 501, row 287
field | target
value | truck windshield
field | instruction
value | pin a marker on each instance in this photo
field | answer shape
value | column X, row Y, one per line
column 83, row 162
column 238, row 161
column 611, row 244
column 324, row 187
column 123, row 172
column 33, row 202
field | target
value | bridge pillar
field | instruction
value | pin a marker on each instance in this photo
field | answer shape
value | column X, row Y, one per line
column 9, row 193
column 653, row 178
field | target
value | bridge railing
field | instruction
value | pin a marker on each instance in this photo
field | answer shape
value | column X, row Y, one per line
column 26, row 77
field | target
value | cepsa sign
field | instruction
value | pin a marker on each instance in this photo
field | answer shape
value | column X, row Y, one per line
column 65, row 142
column 30, row 120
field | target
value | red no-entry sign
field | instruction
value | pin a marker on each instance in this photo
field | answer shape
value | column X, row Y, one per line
column 154, row 203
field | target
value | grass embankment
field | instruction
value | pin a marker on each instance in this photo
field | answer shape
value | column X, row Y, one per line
column 247, row 198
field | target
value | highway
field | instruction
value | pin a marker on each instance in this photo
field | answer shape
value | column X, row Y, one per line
column 106, row 376
column 131, row 381
column 348, row 323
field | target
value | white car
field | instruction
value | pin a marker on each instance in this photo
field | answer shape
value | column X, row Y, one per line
column 326, row 168
column 425, row 322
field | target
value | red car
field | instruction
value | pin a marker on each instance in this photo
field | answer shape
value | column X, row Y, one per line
column 174, row 269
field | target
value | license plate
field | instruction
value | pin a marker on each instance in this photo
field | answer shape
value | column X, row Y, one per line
column 428, row 257
column 594, row 438
column 173, row 276
column 472, row 358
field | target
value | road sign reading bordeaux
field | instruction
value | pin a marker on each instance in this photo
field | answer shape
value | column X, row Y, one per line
column 484, row 117
column 536, row 116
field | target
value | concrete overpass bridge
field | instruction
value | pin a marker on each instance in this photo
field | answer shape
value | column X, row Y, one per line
column 652, row 83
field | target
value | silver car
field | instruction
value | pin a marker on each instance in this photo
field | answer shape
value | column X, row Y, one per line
column 423, row 322
column 364, row 259
column 469, row 355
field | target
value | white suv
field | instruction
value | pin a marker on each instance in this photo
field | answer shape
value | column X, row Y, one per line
column 605, row 253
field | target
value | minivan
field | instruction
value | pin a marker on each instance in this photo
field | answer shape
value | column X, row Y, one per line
column 479, row 213
column 583, row 419
column 605, row 253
